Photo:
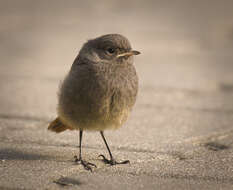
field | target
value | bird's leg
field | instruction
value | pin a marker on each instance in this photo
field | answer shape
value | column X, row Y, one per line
column 86, row 165
column 112, row 161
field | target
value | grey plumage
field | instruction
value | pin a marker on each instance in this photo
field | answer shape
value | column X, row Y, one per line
column 100, row 90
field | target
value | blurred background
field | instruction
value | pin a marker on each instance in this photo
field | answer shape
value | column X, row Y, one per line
column 180, row 34
column 186, row 61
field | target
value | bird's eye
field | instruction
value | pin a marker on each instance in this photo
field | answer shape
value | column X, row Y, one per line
column 111, row 50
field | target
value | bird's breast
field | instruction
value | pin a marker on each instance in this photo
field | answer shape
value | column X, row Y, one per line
column 101, row 95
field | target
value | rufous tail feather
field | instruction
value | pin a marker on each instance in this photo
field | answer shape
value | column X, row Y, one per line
column 57, row 126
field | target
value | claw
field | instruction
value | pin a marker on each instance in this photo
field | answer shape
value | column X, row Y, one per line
column 112, row 161
column 85, row 164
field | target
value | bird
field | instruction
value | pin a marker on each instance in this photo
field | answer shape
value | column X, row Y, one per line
column 99, row 91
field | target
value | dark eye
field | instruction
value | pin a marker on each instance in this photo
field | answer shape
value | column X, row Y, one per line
column 111, row 50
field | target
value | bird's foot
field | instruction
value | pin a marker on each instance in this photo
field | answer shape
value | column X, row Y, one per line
column 86, row 165
column 112, row 161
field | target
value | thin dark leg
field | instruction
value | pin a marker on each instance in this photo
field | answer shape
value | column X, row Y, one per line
column 111, row 161
column 80, row 144
column 109, row 151
column 79, row 160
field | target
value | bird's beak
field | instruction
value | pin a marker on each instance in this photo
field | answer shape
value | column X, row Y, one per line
column 130, row 53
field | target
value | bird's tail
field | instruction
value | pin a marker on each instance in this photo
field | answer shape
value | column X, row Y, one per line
column 57, row 126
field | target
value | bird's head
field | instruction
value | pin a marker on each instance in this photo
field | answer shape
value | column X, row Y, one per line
column 108, row 48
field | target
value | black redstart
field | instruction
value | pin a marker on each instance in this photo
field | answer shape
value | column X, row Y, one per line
column 99, row 91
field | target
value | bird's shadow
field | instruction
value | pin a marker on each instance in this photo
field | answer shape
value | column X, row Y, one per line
column 67, row 181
